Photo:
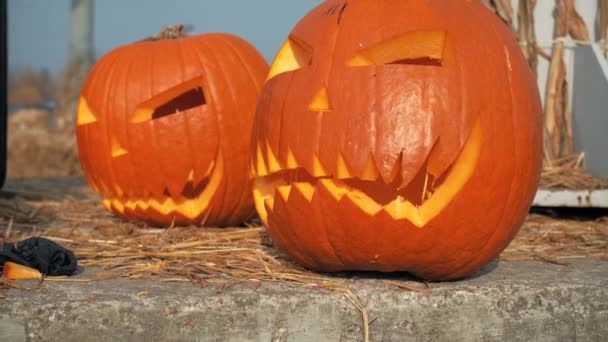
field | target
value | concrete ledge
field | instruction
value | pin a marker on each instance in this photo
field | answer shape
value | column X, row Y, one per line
column 511, row 301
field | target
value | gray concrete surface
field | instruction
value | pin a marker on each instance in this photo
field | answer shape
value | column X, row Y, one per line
column 508, row 301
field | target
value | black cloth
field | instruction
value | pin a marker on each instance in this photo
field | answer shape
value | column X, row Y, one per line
column 42, row 254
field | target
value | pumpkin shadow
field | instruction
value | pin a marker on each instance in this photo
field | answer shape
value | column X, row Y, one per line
column 404, row 276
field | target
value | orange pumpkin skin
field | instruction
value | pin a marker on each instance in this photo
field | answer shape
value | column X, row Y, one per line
column 163, row 129
column 397, row 135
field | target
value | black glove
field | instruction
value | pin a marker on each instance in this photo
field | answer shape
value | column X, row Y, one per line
column 42, row 254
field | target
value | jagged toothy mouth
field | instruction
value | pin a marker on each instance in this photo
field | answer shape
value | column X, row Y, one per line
column 418, row 202
column 192, row 203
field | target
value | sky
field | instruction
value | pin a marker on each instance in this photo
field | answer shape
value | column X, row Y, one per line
column 38, row 30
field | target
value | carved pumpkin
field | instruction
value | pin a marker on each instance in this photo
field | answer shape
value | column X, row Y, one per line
column 397, row 135
column 164, row 127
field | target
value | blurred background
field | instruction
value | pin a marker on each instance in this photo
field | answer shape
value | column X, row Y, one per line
column 52, row 44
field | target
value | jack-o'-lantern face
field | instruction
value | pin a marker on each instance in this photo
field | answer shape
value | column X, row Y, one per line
column 163, row 129
column 384, row 128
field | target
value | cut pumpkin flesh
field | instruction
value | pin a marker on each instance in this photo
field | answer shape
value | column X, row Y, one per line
column 418, row 202
column 17, row 271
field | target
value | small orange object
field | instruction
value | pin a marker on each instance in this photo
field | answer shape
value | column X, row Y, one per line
column 17, row 271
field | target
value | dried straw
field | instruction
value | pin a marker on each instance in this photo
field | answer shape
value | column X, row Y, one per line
column 36, row 149
column 568, row 173
column 551, row 240
column 199, row 255
column 243, row 255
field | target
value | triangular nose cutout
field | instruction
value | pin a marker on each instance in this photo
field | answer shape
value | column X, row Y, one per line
column 320, row 102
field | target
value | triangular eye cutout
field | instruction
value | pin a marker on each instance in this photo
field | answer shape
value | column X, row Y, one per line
column 294, row 54
column 418, row 47
column 117, row 149
column 84, row 115
column 177, row 99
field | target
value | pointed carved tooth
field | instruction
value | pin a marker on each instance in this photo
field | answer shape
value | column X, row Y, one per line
column 370, row 173
column 164, row 207
column 191, row 176
column 342, row 171
column 107, row 204
column 130, row 204
column 317, row 168
column 337, row 189
column 143, row 205
column 292, row 163
column 190, row 208
column 269, row 202
column 273, row 162
column 263, row 189
column 284, row 191
column 262, row 169
column 306, row 189
column 401, row 209
column 210, row 169
column 364, row 202
column 118, row 206
column 460, row 173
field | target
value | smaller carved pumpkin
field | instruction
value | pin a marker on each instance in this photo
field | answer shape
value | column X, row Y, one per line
column 163, row 128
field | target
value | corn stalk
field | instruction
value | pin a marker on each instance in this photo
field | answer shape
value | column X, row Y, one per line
column 526, row 32
column 558, row 110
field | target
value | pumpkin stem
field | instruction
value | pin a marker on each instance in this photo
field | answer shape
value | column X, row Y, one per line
column 170, row 32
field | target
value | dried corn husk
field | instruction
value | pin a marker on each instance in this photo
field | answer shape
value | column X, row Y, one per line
column 526, row 32
column 502, row 8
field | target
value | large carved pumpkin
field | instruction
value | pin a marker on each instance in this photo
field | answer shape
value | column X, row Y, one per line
column 397, row 135
column 164, row 127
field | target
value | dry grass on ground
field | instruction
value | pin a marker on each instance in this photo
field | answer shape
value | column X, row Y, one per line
column 69, row 213
column 35, row 149
column 72, row 215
